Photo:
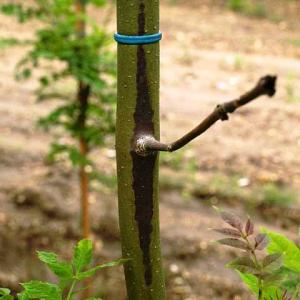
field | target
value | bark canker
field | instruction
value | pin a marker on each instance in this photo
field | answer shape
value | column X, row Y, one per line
column 143, row 167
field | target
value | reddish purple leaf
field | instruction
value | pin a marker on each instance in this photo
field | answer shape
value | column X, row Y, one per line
column 232, row 220
column 261, row 241
column 244, row 265
column 273, row 261
column 249, row 228
column 235, row 243
column 229, row 231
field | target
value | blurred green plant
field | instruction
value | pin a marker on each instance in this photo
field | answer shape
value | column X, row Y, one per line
column 249, row 8
column 220, row 187
column 81, row 80
column 235, row 63
column 9, row 42
column 184, row 160
column 273, row 194
column 239, row 63
column 291, row 89
column 69, row 275
column 290, row 271
column 274, row 276
column 238, row 5
column 294, row 42
column 174, row 2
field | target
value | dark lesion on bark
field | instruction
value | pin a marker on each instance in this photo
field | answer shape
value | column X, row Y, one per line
column 143, row 167
column 147, row 145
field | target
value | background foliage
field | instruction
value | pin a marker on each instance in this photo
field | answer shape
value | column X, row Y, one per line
column 87, row 60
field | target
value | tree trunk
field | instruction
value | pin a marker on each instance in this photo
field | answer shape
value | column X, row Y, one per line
column 138, row 114
column 83, row 94
column 82, row 97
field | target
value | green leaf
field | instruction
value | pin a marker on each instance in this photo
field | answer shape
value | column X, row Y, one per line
column 5, row 294
column 26, row 73
column 251, row 281
column 289, row 250
column 91, row 272
column 8, row 42
column 77, row 158
column 42, row 290
column 98, row 2
column 22, row 296
column 270, row 289
column 44, row 80
column 59, row 116
column 82, row 254
column 272, row 292
column 6, row 297
column 108, row 180
column 289, row 279
column 4, row 291
column 55, row 150
column 61, row 269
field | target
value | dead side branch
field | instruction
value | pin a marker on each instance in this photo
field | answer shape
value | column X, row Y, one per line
column 146, row 144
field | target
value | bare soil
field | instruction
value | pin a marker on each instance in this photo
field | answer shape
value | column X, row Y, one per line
column 209, row 55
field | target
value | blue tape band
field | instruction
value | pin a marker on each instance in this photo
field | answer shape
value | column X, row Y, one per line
column 138, row 39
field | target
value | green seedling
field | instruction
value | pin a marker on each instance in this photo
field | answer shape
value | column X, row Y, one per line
column 79, row 79
column 69, row 274
column 273, row 275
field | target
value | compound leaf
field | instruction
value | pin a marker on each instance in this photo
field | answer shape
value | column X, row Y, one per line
column 82, row 254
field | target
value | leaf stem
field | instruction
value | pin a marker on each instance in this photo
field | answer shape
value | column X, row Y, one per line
column 252, row 252
column 296, row 294
column 71, row 289
column 259, row 289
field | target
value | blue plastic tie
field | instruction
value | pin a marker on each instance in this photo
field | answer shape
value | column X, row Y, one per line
column 138, row 39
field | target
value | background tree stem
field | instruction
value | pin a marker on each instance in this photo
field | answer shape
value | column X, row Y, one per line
column 83, row 97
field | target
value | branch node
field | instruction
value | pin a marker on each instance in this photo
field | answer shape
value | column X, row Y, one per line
column 142, row 145
column 223, row 114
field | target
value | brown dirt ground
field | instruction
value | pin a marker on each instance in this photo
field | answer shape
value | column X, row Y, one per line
column 209, row 55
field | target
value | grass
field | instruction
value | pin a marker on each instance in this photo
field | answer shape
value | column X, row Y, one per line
column 269, row 200
column 180, row 173
column 291, row 90
column 229, row 189
column 9, row 42
column 249, row 8
column 235, row 63
column 239, row 63
column 273, row 194
column 255, row 9
column 294, row 42
column 186, row 58
column 182, row 160
column 173, row 2
column 5, row 43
